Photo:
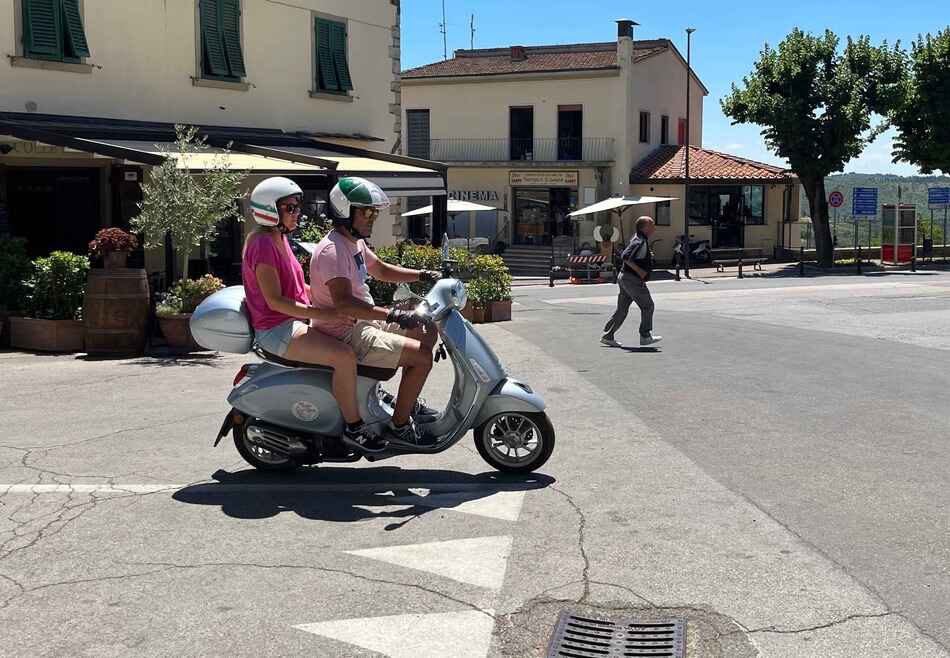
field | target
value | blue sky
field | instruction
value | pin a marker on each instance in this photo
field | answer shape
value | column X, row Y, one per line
column 728, row 39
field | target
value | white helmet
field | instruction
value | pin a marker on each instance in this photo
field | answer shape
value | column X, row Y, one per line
column 352, row 191
column 265, row 196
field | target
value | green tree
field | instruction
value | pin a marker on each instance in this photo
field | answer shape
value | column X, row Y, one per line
column 816, row 105
column 189, row 206
column 922, row 114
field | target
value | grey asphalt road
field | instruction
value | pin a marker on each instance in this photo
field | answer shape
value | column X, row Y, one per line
column 775, row 473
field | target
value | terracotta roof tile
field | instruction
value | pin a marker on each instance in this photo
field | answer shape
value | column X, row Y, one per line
column 668, row 163
column 538, row 59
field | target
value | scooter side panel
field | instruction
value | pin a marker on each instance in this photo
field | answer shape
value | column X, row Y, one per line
column 296, row 399
column 509, row 396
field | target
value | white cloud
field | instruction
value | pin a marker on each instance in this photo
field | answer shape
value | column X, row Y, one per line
column 735, row 147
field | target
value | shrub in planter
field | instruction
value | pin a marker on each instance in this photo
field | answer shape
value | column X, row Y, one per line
column 15, row 269
column 176, row 306
column 113, row 245
column 54, row 302
column 492, row 284
column 415, row 257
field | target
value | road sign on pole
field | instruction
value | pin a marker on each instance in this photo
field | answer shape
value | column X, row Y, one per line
column 938, row 197
column 864, row 202
column 836, row 199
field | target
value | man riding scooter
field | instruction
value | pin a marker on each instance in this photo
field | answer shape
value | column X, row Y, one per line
column 381, row 337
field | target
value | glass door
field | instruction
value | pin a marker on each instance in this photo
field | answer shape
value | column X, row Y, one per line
column 532, row 208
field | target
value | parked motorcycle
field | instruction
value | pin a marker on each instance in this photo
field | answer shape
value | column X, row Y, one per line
column 699, row 251
column 284, row 414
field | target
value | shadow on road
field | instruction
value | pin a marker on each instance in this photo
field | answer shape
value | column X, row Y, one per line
column 347, row 495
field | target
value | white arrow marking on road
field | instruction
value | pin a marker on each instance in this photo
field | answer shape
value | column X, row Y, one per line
column 504, row 505
column 456, row 634
column 479, row 561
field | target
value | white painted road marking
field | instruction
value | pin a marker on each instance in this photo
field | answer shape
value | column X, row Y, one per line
column 456, row 634
column 211, row 487
column 503, row 505
column 479, row 561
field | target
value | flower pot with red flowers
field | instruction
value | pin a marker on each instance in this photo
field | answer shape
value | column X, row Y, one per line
column 176, row 306
column 114, row 246
column 54, row 302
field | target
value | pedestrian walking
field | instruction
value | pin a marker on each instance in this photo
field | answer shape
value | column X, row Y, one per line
column 636, row 267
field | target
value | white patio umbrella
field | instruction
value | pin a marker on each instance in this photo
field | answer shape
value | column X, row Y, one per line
column 455, row 207
column 619, row 204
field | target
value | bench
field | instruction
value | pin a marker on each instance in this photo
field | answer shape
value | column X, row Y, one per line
column 756, row 263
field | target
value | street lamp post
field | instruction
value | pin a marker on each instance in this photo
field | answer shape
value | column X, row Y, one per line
column 689, row 74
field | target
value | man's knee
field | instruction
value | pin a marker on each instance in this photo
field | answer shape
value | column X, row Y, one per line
column 417, row 356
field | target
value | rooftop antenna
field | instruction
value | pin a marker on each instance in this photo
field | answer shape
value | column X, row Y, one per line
column 445, row 44
column 473, row 31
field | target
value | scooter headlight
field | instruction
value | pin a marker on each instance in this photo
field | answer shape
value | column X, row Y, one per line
column 459, row 296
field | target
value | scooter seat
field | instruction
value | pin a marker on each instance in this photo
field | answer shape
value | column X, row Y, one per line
column 379, row 374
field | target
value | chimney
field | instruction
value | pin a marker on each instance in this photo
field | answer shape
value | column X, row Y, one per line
column 518, row 54
column 625, row 28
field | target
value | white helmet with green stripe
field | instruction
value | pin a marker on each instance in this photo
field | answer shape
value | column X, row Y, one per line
column 352, row 192
column 265, row 196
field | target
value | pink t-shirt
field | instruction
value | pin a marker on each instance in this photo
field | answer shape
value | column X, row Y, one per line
column 262, row 250
column 337, row 257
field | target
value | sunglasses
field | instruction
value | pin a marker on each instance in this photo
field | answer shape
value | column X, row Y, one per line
column 371, row 213
column 292, row 208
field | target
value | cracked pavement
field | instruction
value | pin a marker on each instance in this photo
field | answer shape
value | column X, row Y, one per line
column 655, row 503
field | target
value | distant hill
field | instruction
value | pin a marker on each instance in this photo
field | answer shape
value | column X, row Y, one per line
column 913, row 190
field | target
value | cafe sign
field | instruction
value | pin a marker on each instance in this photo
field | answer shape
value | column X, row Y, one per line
column 543, row 178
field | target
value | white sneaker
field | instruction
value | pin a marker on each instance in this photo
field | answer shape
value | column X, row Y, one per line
column 649, row 340
column 610, row 342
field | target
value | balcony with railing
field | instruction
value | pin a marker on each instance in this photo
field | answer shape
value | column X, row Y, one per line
column 554, row 149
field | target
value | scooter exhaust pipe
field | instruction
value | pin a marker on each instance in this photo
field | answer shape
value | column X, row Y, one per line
column 283, row 445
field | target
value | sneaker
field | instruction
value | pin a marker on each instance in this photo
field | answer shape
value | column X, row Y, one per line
column 420, row 408
column 362, row 442
column 649, row 339
column 609, row 342
column 407, row 436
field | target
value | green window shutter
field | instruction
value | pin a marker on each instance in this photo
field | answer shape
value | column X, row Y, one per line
column 42, row 29
column 338, row 48
column 326, row 74
column 214, row 61
column 75, row 32
column 231, row 33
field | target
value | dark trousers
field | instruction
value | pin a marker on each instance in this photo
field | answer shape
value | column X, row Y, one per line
column 632, row 290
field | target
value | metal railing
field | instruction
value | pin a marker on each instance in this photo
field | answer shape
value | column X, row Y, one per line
column 503, row 149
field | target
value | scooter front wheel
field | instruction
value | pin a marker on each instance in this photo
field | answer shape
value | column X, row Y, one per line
column 516, row 442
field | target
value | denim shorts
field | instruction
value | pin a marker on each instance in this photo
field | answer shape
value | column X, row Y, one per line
column 277, row 339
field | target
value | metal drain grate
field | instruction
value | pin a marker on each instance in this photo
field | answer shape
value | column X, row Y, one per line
column 586, row 637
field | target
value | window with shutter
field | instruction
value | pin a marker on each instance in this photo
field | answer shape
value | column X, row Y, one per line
column 76, row 44
column 213, row 60
column 230, row 14
column 332, row 68
column 42, row 29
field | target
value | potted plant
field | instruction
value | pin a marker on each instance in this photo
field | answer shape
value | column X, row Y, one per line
column 492, row 284
column 114, row 246
column 15, row 269
column 188, row 207
column 54, row 302
column 176, row 306
column 479, row 294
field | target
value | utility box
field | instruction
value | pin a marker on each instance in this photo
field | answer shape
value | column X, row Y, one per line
column 898, row 233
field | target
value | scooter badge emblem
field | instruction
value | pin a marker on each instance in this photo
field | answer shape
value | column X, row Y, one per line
column 305, row 410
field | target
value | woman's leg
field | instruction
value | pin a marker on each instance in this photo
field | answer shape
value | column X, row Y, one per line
column 312, row 346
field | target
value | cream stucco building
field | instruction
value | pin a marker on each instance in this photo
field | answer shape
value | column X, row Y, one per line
column 91, row 92
column 540, row 131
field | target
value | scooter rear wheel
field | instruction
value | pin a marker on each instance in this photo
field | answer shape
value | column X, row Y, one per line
column 516, row 442
column 258, row 457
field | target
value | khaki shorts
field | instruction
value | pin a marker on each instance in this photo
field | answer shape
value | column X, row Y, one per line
column 377, row 344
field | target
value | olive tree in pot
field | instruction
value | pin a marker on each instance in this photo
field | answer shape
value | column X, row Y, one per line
column 176, row 306
column 15, row 270
column 189, row 207
column 54, row 301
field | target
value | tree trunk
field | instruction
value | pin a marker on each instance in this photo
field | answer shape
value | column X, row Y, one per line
column 818, row 204
column 184, row 263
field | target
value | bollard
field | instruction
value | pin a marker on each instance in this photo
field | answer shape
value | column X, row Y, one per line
column 551, row 275
column 676, row 261
column 740, row 270
column 801, row 260
column 860, row 259
column 913, row 263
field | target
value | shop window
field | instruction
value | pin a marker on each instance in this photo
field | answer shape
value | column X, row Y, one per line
column 664, row 129
column 332, row 69
column 221, row 54
column 644, row 127
column 662, row 213
column 54, row 30
column 753, row 204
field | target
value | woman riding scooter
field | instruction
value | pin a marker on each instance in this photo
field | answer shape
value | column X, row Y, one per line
column 278, row 299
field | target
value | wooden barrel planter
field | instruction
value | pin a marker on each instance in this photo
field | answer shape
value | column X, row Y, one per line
column 115, row 312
